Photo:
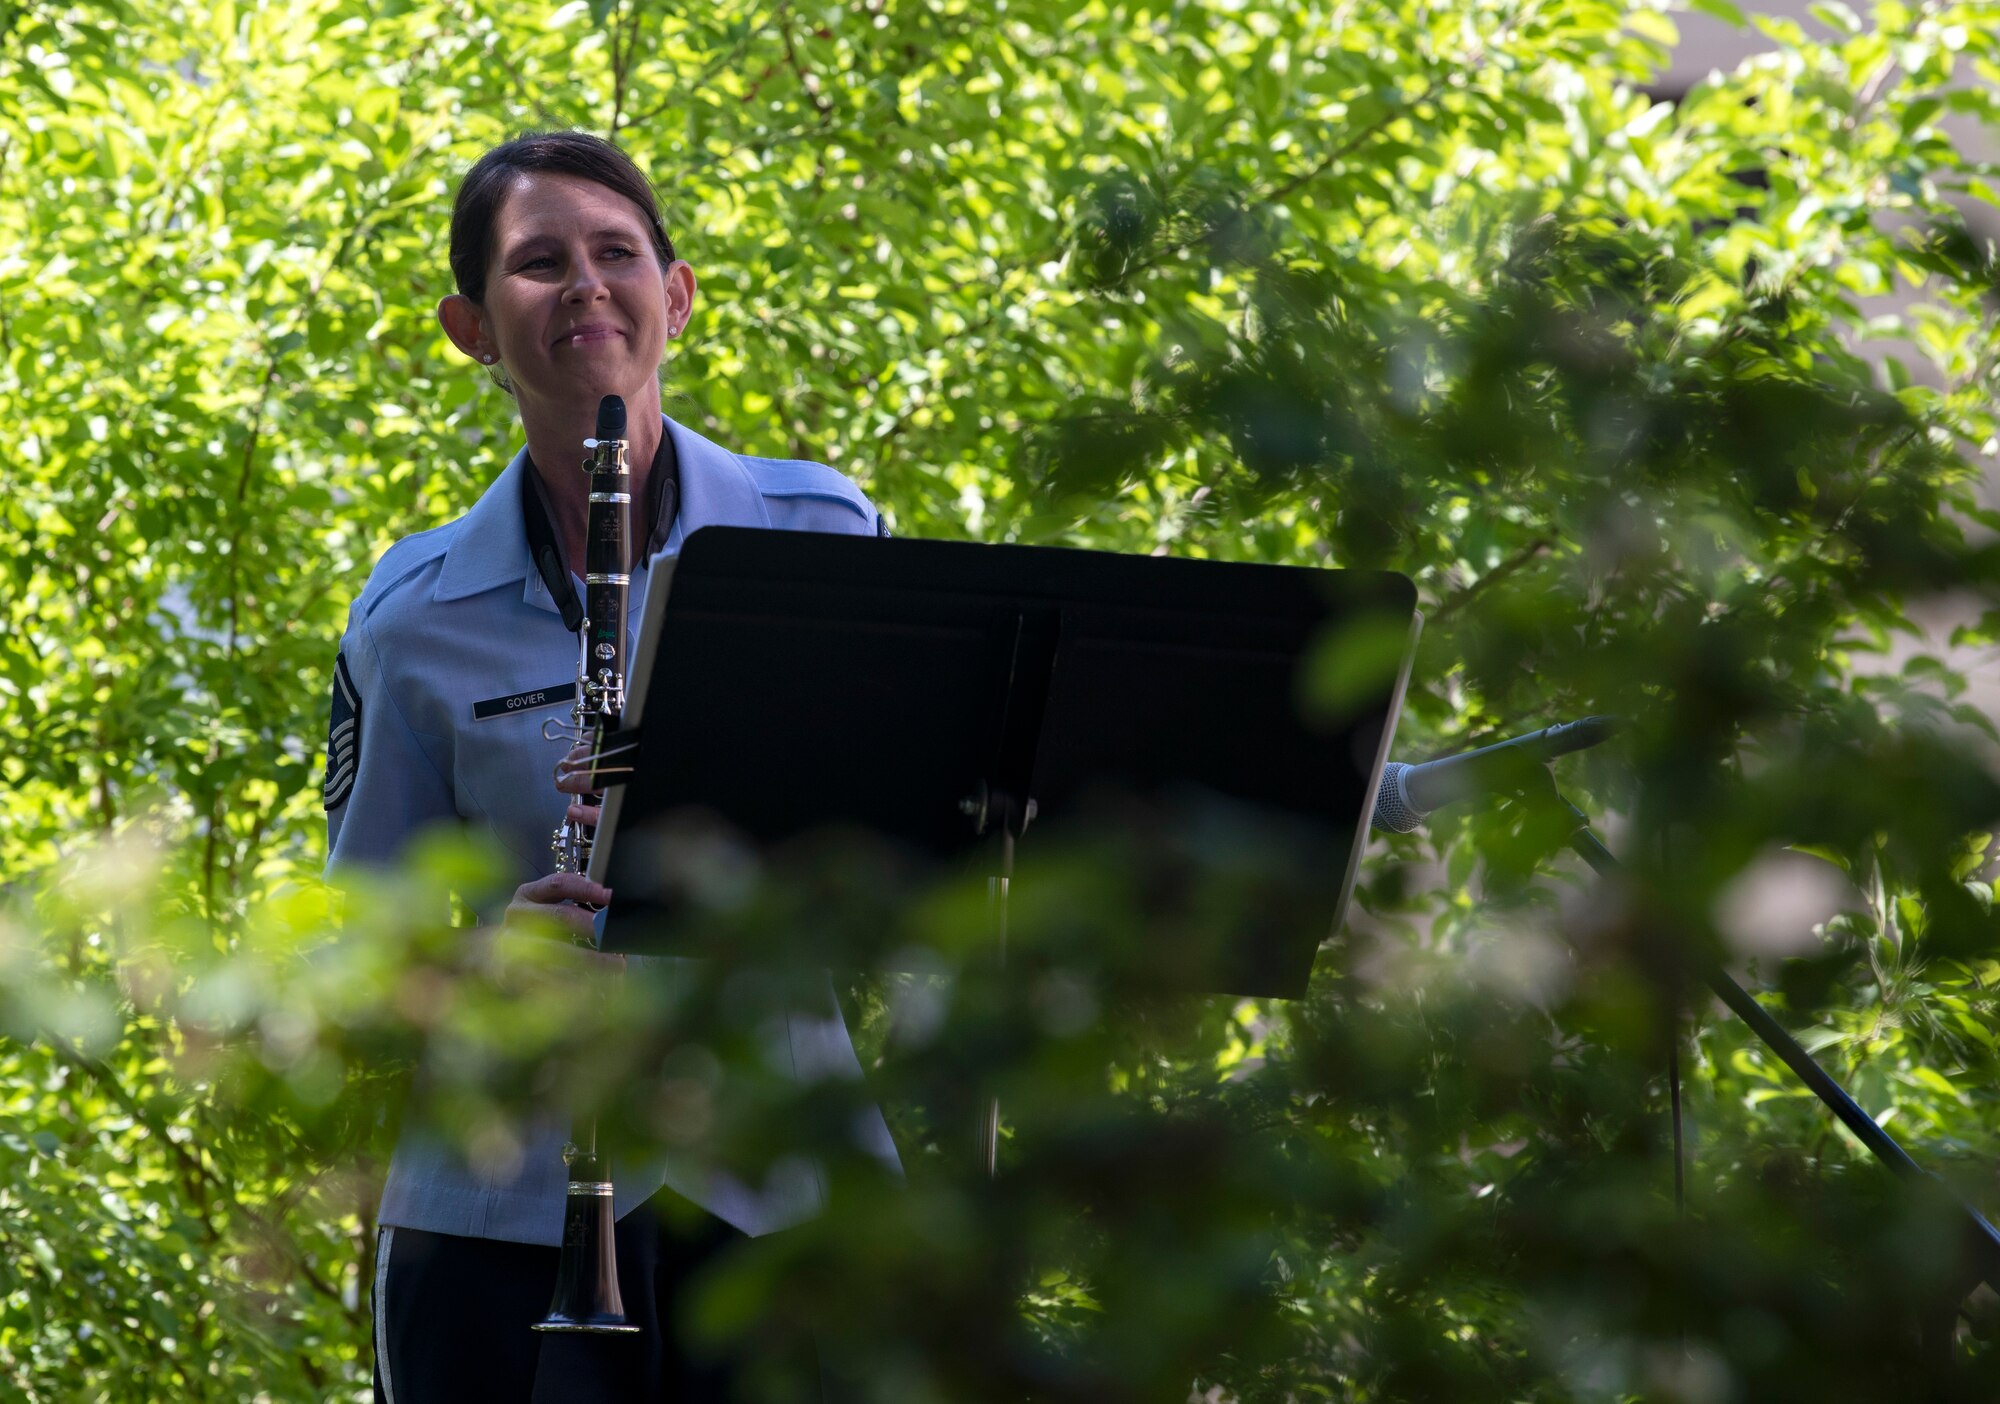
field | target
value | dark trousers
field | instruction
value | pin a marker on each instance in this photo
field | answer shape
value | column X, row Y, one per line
column 452, row 1318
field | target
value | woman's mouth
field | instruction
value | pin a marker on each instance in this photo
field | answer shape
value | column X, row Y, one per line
column 582, row 336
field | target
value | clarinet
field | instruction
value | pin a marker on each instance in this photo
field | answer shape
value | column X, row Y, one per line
column 587, row 1298
column 600, row 664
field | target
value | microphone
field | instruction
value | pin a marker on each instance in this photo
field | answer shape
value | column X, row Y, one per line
column 1409, row 792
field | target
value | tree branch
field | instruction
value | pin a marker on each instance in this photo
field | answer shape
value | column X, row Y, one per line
column 808, row 79
column 624, row 39
column 1534, row 549
column 198, row 1178
column 6, row 326
column 1473, row 63
column 245, row 477
column 716, row 65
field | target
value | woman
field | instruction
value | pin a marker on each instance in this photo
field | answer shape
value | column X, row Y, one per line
column 458, row 649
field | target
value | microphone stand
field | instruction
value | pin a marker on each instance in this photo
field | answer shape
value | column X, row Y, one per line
column 1982, row 1240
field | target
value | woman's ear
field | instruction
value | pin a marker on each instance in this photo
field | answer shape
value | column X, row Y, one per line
column 679, row 294
column 465, row 323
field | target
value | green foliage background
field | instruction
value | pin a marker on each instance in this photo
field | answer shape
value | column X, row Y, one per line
column 1428, row 286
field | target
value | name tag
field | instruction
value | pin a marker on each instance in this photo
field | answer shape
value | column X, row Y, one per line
column 533, row 700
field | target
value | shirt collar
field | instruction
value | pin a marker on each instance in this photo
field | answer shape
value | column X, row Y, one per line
column 490, row 548
column 657, row 512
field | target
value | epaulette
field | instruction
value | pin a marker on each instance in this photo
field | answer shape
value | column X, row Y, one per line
column 401, row 561
column 797, row 477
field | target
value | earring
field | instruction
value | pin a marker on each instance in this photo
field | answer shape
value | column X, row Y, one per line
column 487, row 358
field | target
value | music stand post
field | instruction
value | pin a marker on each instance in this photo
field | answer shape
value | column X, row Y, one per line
column 984, row 807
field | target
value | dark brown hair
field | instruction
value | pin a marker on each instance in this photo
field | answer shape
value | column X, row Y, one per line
column 568, row 153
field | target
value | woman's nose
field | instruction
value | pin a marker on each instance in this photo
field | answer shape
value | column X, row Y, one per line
column 585, row 285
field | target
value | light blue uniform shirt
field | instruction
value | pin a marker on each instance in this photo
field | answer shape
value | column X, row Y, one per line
column 459, row 615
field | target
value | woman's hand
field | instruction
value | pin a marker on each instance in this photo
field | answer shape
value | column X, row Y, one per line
column 555, row 898
column 570, row 900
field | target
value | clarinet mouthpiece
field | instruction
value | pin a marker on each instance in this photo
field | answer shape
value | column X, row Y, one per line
column 611, row 418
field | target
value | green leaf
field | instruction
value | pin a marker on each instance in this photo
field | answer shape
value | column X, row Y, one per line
column 1839, row 860
column 1719, row 9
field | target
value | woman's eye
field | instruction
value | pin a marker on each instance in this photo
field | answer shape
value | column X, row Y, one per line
column 618, row 249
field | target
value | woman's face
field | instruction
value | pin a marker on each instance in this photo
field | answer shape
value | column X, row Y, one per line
column 577, row 306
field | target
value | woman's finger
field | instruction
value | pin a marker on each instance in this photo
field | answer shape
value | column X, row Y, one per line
column 573, row 771
column 585, row 814
column 578, row 921
column 562, row 887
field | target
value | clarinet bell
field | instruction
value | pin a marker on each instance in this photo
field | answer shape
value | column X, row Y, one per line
column 587, row 1298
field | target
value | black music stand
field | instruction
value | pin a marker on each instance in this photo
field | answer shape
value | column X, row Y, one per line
column 939, row 693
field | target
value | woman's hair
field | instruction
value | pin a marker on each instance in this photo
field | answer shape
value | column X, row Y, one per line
column 566, row 153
